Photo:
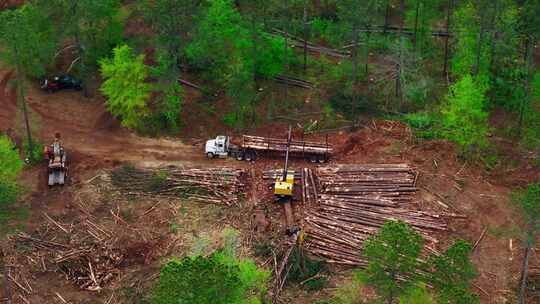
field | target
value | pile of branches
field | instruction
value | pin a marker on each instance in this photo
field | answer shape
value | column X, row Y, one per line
column 212, row 185
column 85, row 254
column 354, row 201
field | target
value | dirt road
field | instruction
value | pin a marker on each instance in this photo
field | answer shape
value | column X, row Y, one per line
column 87, row 129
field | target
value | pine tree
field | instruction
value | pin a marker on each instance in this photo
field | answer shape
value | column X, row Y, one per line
column 392, row 259
column 452, row 274
column 125, row 86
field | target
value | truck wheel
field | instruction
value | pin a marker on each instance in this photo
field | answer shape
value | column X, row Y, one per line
column 251, row 156
column 210, row 155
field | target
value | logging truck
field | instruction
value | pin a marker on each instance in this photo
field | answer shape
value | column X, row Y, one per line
column 252, row 147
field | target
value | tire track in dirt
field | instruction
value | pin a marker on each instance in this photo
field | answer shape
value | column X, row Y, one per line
column 80, row 121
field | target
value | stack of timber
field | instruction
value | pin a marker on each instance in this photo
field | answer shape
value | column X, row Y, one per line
column 280, row 145
column 210, row 185
column 348, row 203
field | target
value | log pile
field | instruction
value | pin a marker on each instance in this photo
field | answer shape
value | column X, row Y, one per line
column 212, row 185
column 280, row 145
column 348, row 203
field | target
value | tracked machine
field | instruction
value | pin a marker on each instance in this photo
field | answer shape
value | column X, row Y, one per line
column 56, row 158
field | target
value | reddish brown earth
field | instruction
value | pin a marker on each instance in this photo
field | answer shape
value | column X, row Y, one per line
column 95, row 141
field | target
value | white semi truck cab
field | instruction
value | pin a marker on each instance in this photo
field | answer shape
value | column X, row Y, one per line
column 218, row 147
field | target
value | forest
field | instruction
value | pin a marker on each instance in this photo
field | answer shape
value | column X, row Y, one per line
column 451, row 87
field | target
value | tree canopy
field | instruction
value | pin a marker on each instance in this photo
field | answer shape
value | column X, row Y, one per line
column 392, row 259
column 125, row 86
column 27, row 40
column 464, row 115
column 217, row 279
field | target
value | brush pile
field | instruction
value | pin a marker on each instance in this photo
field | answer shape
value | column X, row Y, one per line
column 348, row 203
column 84, row 253
column 211, row 185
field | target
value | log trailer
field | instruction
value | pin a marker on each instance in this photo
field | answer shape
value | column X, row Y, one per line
column 254, row 146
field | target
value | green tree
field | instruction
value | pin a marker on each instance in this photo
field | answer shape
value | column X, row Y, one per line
column 392, row 259
column 531, row 132
column 530, row 27
column 218, row 278
column 357, row 15
column 419, row 17
column 220, row 41
column 463, row 117
column 452, row 274
column 174, row 22
column 529, row 200
column 94, row 27
column 471, row 54
column 125, row 86
column 27, row 46
column 224, row 44
column 10, row 167
column 417, row 295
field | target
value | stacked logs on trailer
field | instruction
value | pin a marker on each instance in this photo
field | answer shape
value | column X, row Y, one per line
column 280, row 145
column 210, row 185
column 345, row 204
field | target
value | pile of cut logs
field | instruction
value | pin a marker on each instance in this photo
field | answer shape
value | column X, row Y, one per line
column 211, row 185
column 348, row 203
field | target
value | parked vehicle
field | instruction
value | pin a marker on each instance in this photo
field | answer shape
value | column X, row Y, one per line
column 253, row 146
column 61, row 82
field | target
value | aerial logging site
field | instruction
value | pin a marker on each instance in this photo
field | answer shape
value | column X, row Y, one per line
column 269, row 151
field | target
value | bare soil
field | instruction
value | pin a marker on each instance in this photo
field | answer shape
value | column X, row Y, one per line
column 96, row 142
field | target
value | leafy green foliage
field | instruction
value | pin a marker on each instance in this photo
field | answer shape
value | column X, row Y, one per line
column 342, row 102
column 26, row 39
column 392, row 255
column 96, row 27
column 421, row 14
column 453, row 273
column 197, row 280
column 220, row 41
column 173, row 22
column 467, row 31
column 417, row 295
column 36, row 155
column 305, row 270
column 531, row 134
column 125, row 86
column 218, row 278
column 463, row 117
column 10, row 167
column 529, row 200
column 349, row 292
column 423, row 123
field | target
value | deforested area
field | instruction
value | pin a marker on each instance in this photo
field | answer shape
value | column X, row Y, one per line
column 220, row 151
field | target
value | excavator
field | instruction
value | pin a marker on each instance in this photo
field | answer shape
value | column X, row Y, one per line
column 283, row 191
column 56, row 158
